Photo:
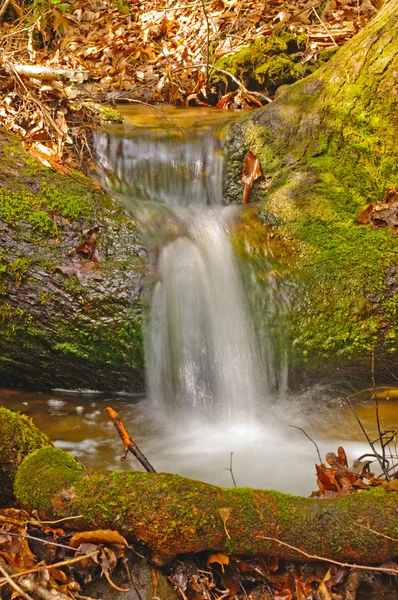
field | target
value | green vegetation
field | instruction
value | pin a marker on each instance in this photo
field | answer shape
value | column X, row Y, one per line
column 272, row 61
column 328, row 150
column 66, row 326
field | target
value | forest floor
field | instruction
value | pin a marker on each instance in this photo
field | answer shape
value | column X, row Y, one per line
column 58, row 59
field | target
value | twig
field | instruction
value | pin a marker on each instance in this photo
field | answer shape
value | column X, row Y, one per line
column 4, row 7
column 115, row 587
column 238, row 83
column 42, row 592
column 128, row 443
column 230, row 469
column 207, row 41
column 311, row 440
column 58, row 520
column 63, row 563
column 371, row 444
column 324, row 26
column 329, row 560
column 383, row 535
column 32, row 537
column 14, row 586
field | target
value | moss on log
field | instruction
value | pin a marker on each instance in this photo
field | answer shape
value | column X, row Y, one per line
column 172, row 515
column 327, row 147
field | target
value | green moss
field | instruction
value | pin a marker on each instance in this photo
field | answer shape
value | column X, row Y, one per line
column 328, row 149
column 122, row 6
column 103, row 112
column 62, row 469
column 19, row 268
column 18, row 438
column 16, row 206
column 274, row 60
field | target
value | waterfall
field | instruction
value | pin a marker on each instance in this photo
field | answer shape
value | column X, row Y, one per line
column 201, row 345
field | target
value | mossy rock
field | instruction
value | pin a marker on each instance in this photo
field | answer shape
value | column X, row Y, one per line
column 327, row 149
column 19, row 437
column 56, row 330
column 272, row 61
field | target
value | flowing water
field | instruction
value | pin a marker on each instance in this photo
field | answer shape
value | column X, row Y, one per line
column 216, row 380
column 202, row 350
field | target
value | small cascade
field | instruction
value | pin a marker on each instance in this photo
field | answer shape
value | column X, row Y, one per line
column 201, row 342
column 202, row 348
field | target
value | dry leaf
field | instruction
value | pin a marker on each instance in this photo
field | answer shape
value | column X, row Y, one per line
column 99, row 536
column 221, row 559
column 225, row 513
column 251, row 172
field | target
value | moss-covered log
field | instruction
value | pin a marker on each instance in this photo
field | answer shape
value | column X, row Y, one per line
column 327, row 148
column 82, row 328
column 171, row 515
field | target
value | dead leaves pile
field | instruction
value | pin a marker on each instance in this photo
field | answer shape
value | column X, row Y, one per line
column 225, row 577
column 38, row 559
column 139, row 51
column 337, row 479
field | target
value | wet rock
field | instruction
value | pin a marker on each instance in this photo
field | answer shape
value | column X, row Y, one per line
column 60, row 331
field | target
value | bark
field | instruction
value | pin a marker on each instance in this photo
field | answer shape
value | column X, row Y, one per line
column 171, row 515
column 327, row 149
column 58, row 331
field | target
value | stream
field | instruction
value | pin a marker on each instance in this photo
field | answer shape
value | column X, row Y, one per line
column 267, row 453
column 217, row 392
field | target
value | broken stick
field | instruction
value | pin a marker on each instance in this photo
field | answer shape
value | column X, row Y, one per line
column 128, row 443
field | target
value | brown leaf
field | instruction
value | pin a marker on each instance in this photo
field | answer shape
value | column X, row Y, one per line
column 221, row 559
column 251, row 172
column 225, row 513
column 223, row 102
column 341, row 456
column 99, row 536
column 88, row 248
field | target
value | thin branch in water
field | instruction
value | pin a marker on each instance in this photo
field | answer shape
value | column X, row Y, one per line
column 374, row 397
column 371, row 444
column 311, row 440
column 128, row 443
column 235, row 79
column 329, row 560
column 230, row 469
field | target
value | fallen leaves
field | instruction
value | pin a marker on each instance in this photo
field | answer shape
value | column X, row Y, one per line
column 337, row 479
column 37, row 571
column 54, row 61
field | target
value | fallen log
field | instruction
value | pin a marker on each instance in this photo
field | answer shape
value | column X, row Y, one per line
column 172, row 515
column 46, row 73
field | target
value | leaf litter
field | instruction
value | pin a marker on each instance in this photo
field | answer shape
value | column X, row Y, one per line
column 58, row 59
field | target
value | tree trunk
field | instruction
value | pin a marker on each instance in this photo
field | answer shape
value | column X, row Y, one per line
column 327, row 148
column 171, row 515
column 74, row 329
